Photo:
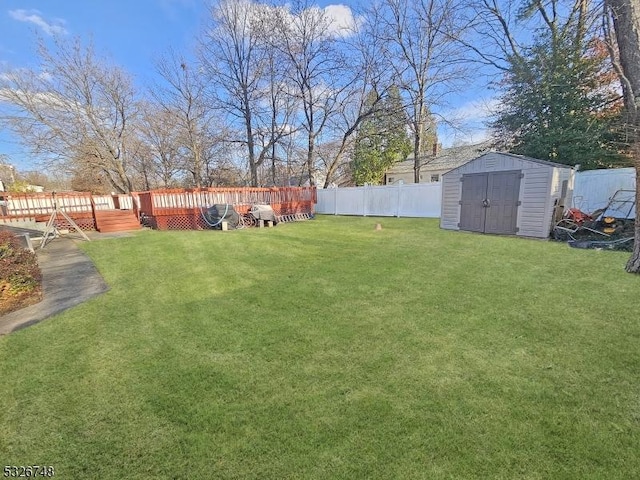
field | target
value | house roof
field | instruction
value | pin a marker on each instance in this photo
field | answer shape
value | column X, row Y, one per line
column 446, row 159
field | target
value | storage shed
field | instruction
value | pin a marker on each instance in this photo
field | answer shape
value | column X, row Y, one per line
column 507, row 194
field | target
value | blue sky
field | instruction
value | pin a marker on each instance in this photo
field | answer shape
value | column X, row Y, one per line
column 136, row 32
column 131, row 32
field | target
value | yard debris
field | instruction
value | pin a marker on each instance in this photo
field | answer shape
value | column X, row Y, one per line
column 619, row 244
column 609, row 228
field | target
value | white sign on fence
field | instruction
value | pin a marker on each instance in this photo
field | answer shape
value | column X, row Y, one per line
column 398, row 200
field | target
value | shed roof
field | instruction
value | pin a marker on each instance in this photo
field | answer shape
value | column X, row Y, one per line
column 447, row 159
column 519, row 157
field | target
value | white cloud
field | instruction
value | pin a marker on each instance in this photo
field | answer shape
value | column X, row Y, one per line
column 44, row 99
column 467, row 123
column 343, row 23
column 339, row 18
column 54, row 27
column 475, row 110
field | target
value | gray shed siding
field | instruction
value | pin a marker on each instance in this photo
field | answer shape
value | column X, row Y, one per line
column 540, row 189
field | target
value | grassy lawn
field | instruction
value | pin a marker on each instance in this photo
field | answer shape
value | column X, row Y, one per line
column 325, row 349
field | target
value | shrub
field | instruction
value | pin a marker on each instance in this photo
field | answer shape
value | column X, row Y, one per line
column 19, row 271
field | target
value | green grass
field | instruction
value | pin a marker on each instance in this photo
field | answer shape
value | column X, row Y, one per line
column 325, row 349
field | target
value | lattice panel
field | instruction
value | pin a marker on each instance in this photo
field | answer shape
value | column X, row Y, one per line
column 86, row 224
column 299, row 211
column 180, row 222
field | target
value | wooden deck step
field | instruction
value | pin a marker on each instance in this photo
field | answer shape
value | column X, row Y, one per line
column 116, row 221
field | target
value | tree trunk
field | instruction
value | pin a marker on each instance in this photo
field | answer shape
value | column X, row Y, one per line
column 274, row 176
column 310, row 155
column 251, row 147
column 633, row 265
column 416, row 156
column 253, row 168
column 626, row 20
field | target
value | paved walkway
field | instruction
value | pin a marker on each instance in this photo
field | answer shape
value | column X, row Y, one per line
column 68, row 278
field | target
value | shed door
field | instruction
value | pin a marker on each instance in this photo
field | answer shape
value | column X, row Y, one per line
column 472, row 211
column 490, row 202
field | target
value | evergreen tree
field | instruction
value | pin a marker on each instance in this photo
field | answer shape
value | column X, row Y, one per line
column 555, row 106
column 382, row 139
column 428, row 134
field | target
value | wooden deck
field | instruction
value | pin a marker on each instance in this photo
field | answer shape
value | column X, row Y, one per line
column 183, row 209
column 116, row 221
column 175, row 209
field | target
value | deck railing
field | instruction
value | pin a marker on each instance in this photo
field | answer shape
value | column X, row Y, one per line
column 36, row 204
column 180, row 201
column 166, row 208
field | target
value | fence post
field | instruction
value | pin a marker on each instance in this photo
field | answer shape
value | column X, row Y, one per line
column 93, row 211
column 335, row 201
column 400, row 182
column 134, row 206
column 364, row 199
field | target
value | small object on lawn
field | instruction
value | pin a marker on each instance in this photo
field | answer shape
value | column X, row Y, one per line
column 214, row 215
column 263, row 212
column 378, row 226
column 27, row 240
column 269, row 224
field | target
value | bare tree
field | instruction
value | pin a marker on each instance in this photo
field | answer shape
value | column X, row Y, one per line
column 160, row 157
column 244, row 76
column 420, row 45
column 280, row 112
column 75, row 110
column 626, row 21
column 366, row 70
column 316, row 69
column 182, row 98
column 502, row 28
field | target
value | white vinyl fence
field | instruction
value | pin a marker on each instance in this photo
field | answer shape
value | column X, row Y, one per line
column 399, row 200
column 592, row 190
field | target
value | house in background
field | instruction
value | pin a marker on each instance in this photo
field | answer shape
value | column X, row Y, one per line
column 7, row 176
column 9, row 179
column 434, row 166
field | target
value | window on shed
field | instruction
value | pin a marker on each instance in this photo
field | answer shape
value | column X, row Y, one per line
column 390, row 180
column 435, row 178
